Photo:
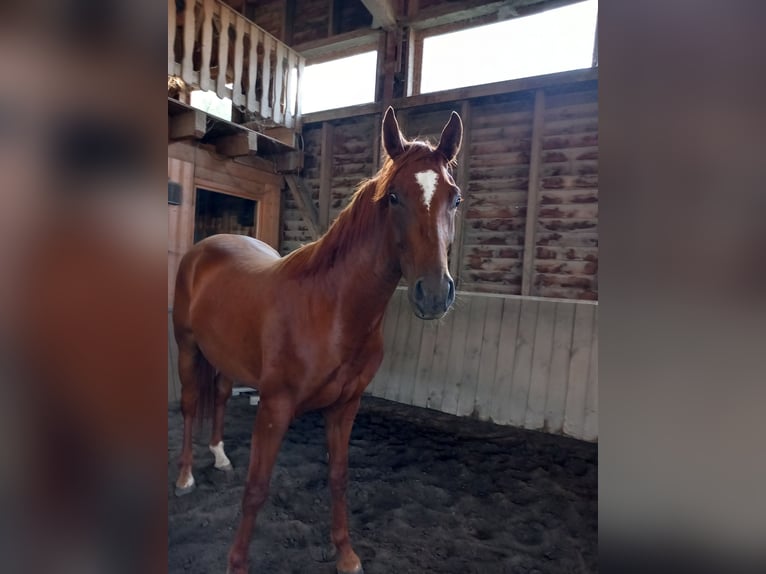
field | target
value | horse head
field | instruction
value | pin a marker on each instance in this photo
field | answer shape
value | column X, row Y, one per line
column 422, row 199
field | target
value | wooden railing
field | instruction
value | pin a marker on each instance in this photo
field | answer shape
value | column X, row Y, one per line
column 210, row 45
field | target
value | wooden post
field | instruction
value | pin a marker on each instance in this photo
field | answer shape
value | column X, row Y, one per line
column 377, row 149
column 456, row 260
column 325, row 176
column 266, row 77
column 414, row 73
column 334, row 17
column 380, row 68
column 594, row 63
column 298, row 81
column 288, row 22
column 252, row 71
column 223, row 52
column 237, row 97
column 306, row 206
column 530, row 230
column 279, row 82
column 289, row 101
column 207, row 45
column 388, row 66
column 171, row 37
column 187, row 70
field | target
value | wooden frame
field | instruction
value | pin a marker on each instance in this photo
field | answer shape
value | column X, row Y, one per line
column 458, row 94
column 194, row 167
column 435, row 21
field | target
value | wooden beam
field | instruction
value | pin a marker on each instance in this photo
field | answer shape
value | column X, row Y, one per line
column 187, row 124
column 288, row 22
column 383, row 13
column 334, row 17
column 325, row 175
column 236, row 145
column 346, row 44
column 285, row 135
column 594, row 62
column 463, row 167
column 445, row 13
column 341, row 113
column 288, row 162
column 389, row 66
column 497, row 88
column 377, row 149
column 530, row 231
column 458, row 94
column 171, row 37
column 415, row 67
column 302, row 197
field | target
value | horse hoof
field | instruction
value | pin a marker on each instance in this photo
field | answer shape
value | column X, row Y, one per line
column 185, row 490
column 225, row 468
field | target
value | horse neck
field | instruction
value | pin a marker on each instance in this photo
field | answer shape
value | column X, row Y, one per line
column 355, row 257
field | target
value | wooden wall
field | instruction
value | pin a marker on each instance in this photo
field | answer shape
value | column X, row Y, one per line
column 350, row 158
column 566, row 255
column 526, row 362
column 521, row 346
column 193, row 166
column 512, row 165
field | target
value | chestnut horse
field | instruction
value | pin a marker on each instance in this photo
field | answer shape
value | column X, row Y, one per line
column 306, row 329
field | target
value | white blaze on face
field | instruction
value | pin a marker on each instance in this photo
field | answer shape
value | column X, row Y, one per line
column 427, row 182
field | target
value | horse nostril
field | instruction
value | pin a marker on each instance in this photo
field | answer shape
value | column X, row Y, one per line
column 419, row 293
column 451, row 293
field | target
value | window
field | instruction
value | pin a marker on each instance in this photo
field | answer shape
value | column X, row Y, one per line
column 553, row 41
column 339, row 83
column 216, row 212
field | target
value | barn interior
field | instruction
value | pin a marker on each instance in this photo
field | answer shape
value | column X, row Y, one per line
column 520, row 347
column 525, row 257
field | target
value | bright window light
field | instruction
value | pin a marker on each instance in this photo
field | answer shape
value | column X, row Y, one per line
column 553, row 41
column 210, row 103
column 338, row 83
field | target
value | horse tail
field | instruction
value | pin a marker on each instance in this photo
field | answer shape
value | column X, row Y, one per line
column 206, row 377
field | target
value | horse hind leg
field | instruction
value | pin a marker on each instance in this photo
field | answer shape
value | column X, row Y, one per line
column 196, row 376
column 223, row 393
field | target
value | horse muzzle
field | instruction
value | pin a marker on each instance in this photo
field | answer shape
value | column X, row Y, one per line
column 432, row 296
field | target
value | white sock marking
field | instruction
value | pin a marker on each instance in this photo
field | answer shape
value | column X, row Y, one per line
column 188, row 483
column 427, row 182
column 221, row 459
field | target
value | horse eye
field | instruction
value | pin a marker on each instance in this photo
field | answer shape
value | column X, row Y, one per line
column 458, row 200
column 393, row 198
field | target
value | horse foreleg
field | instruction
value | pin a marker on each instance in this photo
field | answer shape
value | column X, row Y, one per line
column 223, row 392
column 338, row 422
column 271, row 423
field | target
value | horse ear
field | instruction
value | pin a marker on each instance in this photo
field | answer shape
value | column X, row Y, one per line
column 452, row 135
column 393, row 142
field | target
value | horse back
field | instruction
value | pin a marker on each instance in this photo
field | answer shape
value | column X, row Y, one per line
column 211, row 257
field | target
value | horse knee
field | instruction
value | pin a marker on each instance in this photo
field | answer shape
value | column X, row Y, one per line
column 255, row 496
column 189, row 403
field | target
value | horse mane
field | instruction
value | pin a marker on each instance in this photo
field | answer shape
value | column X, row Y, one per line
column 360, row 219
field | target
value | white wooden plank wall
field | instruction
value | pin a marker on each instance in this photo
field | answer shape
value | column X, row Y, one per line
column 530, row 363
column 526, row 362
